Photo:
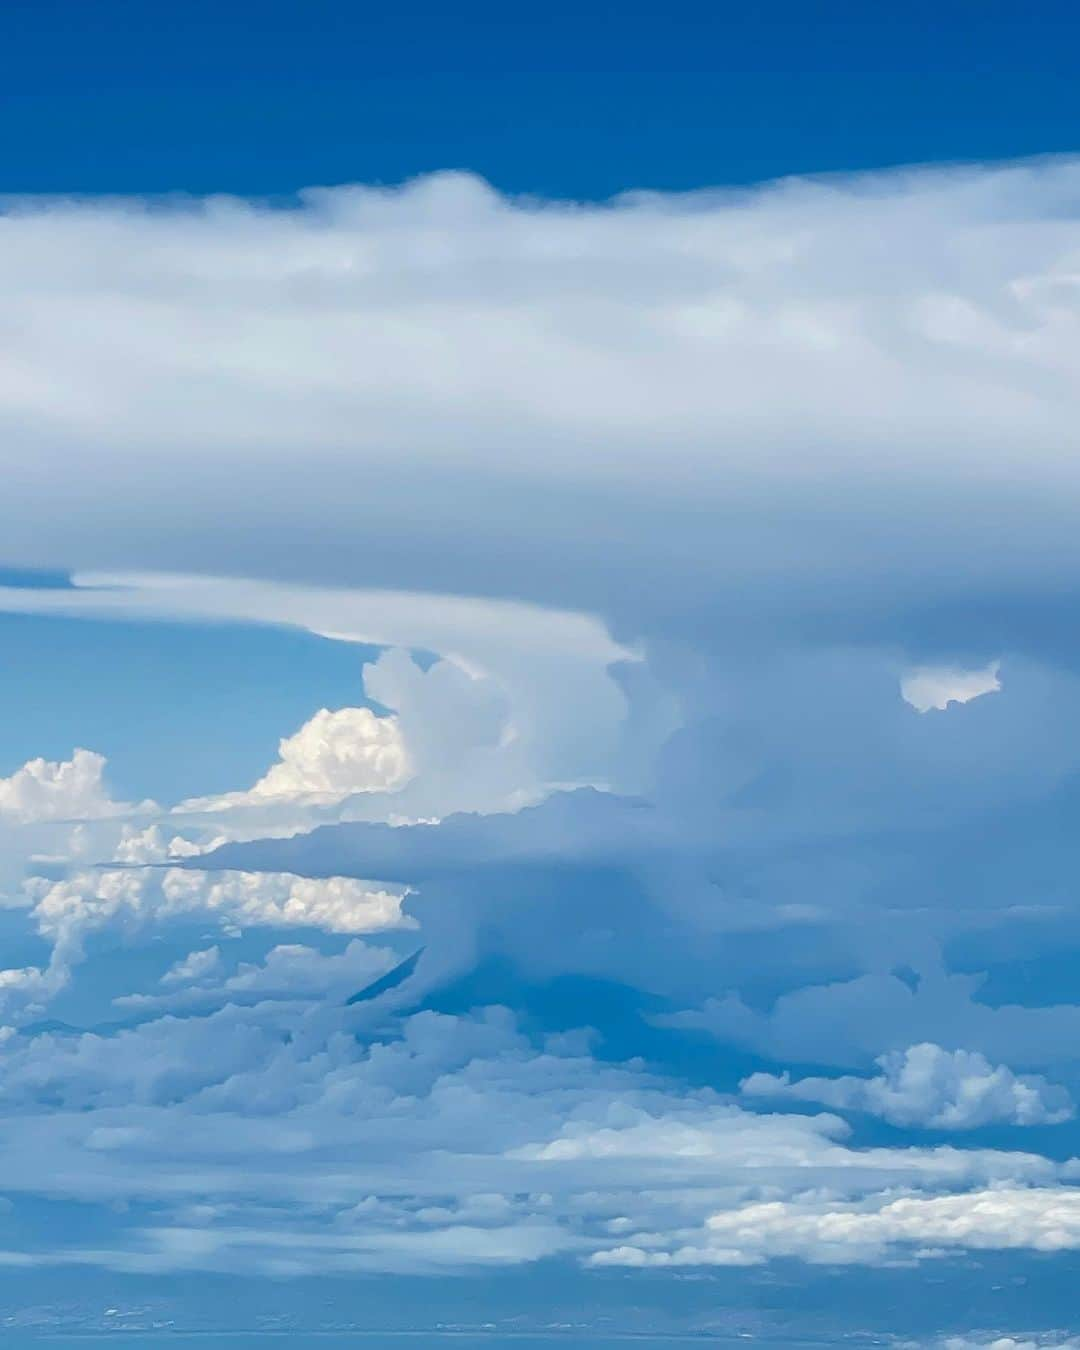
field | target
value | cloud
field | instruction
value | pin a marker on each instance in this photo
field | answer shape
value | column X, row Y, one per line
column 332, row 756
column 937, row 686
column 932, row 1088
column 289, row 971
column 845, row 1022
column 1005, row 1218
column 71, row 789
column 1018, row 1341
column 651, row 507
column 311, row 1136
column 67, row 912
column 25, row 991
column 770, row 376
column 523, row 699
column 1045, row 1219
column 202, row 965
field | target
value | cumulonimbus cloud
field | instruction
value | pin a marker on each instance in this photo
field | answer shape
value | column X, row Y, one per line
column 805, row 372
column 679, row 491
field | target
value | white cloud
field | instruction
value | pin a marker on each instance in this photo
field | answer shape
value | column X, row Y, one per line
column 47, row 790
column 289, row 971
column 522, row 700
column 150, row 845
column 1017, row 1341
column 1043, row 1219
column 201, row 965
column 65, row 912
column 25, row 991
column 1046, row 1219
column 354, row 1141
column 935, row 687
column 294, row 969
column 337, row 904
column 733, row 405
column 333, row 755
column 804, row 370
column 930, row 1087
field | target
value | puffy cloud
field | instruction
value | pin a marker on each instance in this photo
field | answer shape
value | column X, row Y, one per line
column 47, row 790
column 289, row 971
column 336, row 753
column 68, row 911
column 337, row 904
column 936, row 687
column 333, row 755
column 311, row 1136
column 1007, row 1218
column 25, row 991
column 150, row 845
column 201, row 965
column 523, row 699
column 930, row 1087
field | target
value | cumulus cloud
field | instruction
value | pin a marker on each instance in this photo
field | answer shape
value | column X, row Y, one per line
column 66, row 913
column 333, row 755
column 930, row 1087
column 49, row 790
column 353, row 1140
column 1003, row 1218
column 25, row 991
column 289, row 971
column 523, row 698
column 201, row 965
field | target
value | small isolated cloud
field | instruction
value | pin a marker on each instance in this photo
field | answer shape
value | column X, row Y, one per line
column 195, row 966
column 935, row 687
column 929, row 1087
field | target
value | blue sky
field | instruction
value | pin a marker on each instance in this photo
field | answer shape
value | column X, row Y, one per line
column 239, row 687
column 563, row 100
column 563, row 523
